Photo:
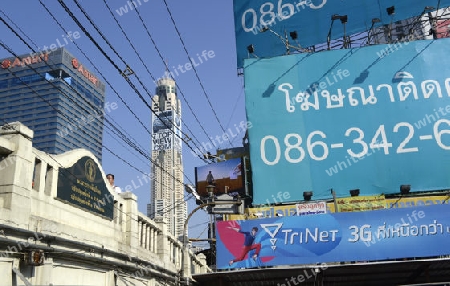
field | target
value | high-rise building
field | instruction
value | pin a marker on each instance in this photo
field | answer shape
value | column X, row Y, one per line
column 57, row 97
column 167, row 191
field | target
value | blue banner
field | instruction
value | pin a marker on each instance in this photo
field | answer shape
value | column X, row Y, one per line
column 372, row 118
column 363, row 236
column 311, row 20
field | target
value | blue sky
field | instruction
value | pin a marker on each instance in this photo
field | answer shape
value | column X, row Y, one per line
column 207, row 30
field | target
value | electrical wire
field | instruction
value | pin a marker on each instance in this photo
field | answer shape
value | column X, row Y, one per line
column 143, row 63
column 60, row 112
column 178, row 87
column 234, row 110
column 123, row 101
column 126, row 78
column 124, row 137
column 96, row 44
column 114, row 64
column 4, row 46
column 193, row 68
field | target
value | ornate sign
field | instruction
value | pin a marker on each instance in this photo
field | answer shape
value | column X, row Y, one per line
column 82, row 185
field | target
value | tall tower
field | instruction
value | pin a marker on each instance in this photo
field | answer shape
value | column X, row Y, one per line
column 167, row 190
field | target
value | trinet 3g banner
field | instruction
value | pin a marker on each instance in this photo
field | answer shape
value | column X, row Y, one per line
column 364, row 236
column 372, row 119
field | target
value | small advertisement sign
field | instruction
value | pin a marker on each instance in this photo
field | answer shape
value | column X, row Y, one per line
column 311, row 208
column 226, row 177
column 361, row 203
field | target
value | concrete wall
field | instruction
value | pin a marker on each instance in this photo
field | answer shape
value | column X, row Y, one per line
column 79, row 246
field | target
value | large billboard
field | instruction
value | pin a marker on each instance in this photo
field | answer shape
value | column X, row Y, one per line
column 363, row 236
column 371, row 118
column 166, row 131
column 266, row 25
column 226, row 177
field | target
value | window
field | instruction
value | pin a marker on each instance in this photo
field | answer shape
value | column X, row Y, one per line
column 3, row 84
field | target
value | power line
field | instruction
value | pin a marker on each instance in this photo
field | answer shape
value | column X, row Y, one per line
column 115, row 52
column 108, row 84
column 234, row 109
column 194, row 69
column 113, row 125
column 143, row 63
column 68, row 120
column 178, row 88
column 114, row 64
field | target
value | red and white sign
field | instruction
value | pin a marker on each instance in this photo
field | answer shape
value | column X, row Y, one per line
column 311, row 208
column 26, row 61
column 84, row 71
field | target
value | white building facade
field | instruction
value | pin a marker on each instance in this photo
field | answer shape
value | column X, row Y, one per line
column 61, row 223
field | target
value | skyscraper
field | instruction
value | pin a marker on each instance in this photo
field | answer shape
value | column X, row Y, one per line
column 167, row 190
column 53, row 94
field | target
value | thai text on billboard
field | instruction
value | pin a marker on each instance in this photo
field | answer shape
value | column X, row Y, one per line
column 361, row 203
column 362, row 130
column 311, row 208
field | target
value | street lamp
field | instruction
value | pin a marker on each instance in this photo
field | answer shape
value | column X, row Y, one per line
column 210, row 190
column 370, row 32
column 211, row 202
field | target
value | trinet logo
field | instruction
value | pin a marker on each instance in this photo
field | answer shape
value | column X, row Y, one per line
column 305, row 235
column 272, row 229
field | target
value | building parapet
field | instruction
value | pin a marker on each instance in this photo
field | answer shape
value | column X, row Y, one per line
column 34, row 214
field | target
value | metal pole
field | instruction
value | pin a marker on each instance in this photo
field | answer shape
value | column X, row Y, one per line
column 433, row 25
column 183, row 256
column 184, row 238
column 333, row 193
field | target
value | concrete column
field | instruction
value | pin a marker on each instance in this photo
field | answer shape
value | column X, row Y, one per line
column 16, row 170
column 155, row 240
column 147, row 237
column 140, row 232
column 44, row 273
column 51, row 181
column 187, row 263
column 203, row 265
column 39, row 177
column 163, row 243
column 170, row 251
column 131, row 220
column 150, row 248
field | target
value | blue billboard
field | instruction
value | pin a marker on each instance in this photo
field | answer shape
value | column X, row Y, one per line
column 267, row 24
column 364, row 236
column 371, row 118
